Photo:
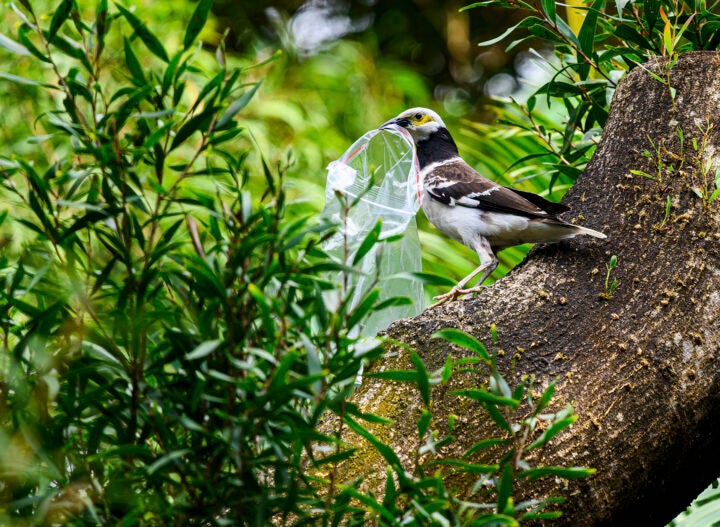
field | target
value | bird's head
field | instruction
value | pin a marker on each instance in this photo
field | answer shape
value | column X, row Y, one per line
column 420, row 122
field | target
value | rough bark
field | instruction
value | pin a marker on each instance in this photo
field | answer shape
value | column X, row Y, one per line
column 642, row 368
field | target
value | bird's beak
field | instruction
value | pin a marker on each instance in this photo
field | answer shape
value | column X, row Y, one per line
column 404, row 123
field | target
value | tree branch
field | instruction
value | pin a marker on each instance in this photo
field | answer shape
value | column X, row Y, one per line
column 641, row 368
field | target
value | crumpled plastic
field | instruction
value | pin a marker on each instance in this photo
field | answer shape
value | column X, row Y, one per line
column 379, row 173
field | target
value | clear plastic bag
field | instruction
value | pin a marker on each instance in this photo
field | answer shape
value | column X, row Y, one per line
column 379, row 173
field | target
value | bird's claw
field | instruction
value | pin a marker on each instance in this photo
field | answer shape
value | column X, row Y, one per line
column 454, row 293
column 441, row 299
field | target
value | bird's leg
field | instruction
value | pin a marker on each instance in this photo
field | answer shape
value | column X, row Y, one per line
column 488, row 263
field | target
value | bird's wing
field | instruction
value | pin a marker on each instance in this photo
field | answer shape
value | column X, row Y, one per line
column 457, row 184
column 547, row 206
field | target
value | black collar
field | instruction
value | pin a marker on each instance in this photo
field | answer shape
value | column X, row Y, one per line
column 439, row 146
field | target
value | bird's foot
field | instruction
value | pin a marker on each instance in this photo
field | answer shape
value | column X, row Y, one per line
column 454, row 293
column 475, row 289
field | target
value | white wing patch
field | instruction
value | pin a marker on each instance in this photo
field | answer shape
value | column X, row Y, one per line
column 432, row 166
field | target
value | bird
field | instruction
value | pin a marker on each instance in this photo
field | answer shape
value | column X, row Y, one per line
column 475, row 211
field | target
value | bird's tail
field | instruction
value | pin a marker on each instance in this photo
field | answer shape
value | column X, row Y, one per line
column 589, row 232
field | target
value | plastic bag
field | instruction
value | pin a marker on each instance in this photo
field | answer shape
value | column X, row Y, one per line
column 380, row 174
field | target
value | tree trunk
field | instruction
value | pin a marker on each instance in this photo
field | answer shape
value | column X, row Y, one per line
column 641, row 368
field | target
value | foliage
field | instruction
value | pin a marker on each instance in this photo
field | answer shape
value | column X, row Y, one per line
column 169, row 353
column 705, row 510
column 592, row 58
column 499, row 464
column 167, row 349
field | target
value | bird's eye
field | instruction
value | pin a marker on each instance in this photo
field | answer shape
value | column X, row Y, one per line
column 418, row 116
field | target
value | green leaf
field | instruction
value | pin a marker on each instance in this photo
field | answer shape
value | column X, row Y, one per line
column 464, row 466
column 505, row 490
column 214, row 84
column 567, row 32
column 462, row 339
column 641, row 173
column 390, row 498
column 519, row 391
column 586, row 37
column 363, row 308
column 335, row 458
column 447, row 370
column 614, row 260
column 714, row 195
column 59, row 17
column 547, row 515
column 476, row 4
column 12, row 46
column 240, row 103
column 23, row 30
column 74, row 49
column 279, row 376
column 27, row 6
column 682, row 30
column 549, row 9
column 429, row 279
column 394, row 375
column 141, row 30
column 99, row 352
column 553, row 430
column 203, row 350
column 630, row 33
column 171, row 72
column 499, row 386
column 497, row 416
column 385, row 451
column 423, row 380
column 560, row 472
column 495, row 520
column 85, row 221
column 102, row 24
column 544, row 399
column 133, row 64
column 483, row 444
column 524, row 23
column 369, row 242
column 373, row 504
column 424, row 423
column 197, row 22
column 486, row 397
column 200, row 122
column 21, row 80
column 352, row 409
column 131, row 104
column 164, row 460
column 393, row 302
column 651, row 13
column 542, row 31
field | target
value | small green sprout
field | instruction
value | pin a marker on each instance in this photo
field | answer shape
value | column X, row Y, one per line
column 668, row 206
column 716, row 192
column 610, row 286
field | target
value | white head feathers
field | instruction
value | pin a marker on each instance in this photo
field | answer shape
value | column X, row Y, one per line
column 420, row 122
